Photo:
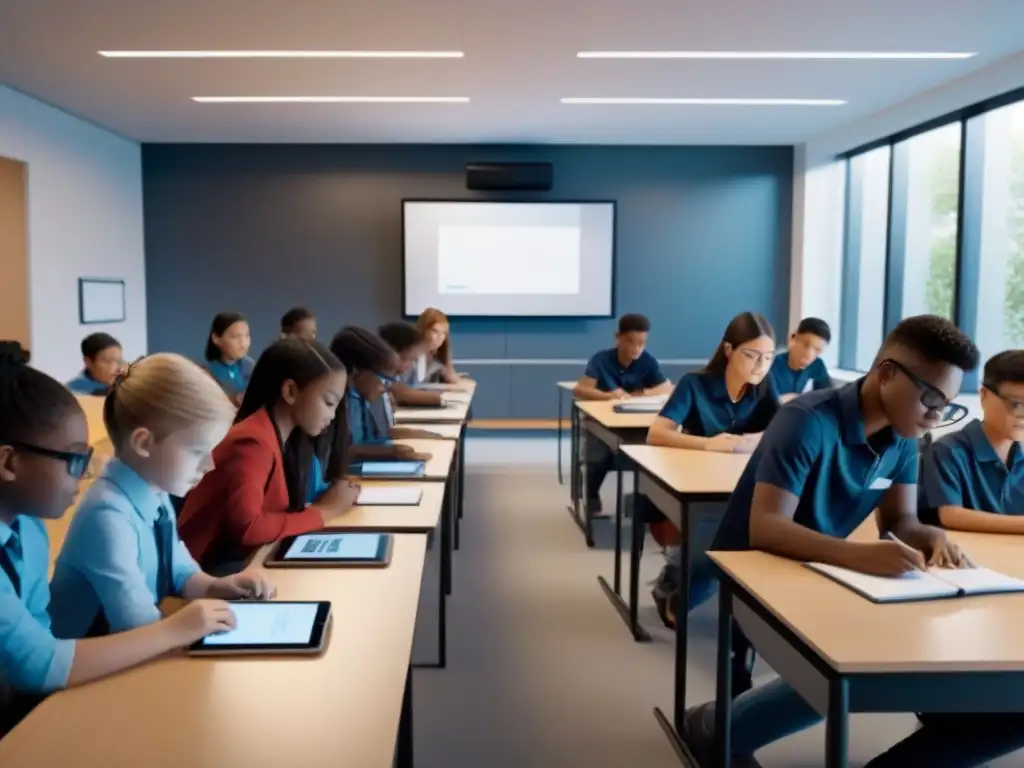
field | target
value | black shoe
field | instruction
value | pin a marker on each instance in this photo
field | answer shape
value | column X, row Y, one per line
column 665, row 603
column 699, row 737
column 596, row 509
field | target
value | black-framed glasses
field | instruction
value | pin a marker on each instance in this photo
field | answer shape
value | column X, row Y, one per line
column 1015, row 407
column 387, row 380
column 77, row 463
column 932, row 398
column 757, row 357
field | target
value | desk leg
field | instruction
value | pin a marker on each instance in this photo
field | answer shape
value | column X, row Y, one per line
column 404, row 751
column 576, row 491
column 617, row 574
column 455, row 485
column 559, row 438
column 723, row 696
column 462, row 470
column 628, row 613
column 449, row 520
column 838, row 723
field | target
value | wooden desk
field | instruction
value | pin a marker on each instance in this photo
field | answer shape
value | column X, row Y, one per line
column 563, row 387
column 844, row 654
column 442, row 456
column 342, row 708
column 447, row 431
column 672, row 479
column 452, row 414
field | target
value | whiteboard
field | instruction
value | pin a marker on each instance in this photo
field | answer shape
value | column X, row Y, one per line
column 100, row 300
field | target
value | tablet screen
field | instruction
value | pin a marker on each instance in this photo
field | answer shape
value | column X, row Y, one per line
column 335, row 546
column 391, row 467
column 268, row 624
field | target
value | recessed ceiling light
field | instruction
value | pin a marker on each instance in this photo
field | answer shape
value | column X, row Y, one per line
column 282, row 54
column 772, row 55
column 331, row 99
column 709, row 102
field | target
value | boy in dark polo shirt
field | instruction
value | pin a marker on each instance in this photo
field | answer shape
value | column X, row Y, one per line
column 825, row 462
column 613, row 374
column 801, row 369
column 973, row 480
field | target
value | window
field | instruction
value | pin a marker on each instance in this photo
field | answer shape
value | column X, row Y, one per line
column 931, row 224
column 1000, row 302
column 864, row 268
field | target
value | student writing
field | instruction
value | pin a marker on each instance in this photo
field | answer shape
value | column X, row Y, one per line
column 826, row 461
column 973, row 479
column 122, row 555
column 43, row 454
column 257, row 492
column 101, row 354
column 435, row 364
column 801, row 369
column 300, row 322
column 227, row 354
column 724, row 407
column 612, row 374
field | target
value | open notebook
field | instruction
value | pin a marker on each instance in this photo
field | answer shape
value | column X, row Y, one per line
column 389, row 495
column 933, row 584
column 649, row 404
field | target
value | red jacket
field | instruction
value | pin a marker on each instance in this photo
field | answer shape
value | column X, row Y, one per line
column 242, row 503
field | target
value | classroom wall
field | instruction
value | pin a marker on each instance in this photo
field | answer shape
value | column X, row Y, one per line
column 14, row 317
column 84, row 220
column 702, row 233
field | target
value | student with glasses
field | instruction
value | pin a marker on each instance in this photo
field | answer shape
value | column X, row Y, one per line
column 826, row 461
column 44, row 452
column 722, row 407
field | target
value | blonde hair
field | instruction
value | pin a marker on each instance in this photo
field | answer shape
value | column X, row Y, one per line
column 164, row 393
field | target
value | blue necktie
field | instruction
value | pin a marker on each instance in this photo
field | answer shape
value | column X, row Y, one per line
column 12, row 547
column 163, row 532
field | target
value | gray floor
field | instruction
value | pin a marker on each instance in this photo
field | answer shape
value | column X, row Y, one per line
column 541, row 671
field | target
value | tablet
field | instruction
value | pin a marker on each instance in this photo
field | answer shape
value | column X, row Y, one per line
column 270, row 627
column 332, row 549
column 391, row 468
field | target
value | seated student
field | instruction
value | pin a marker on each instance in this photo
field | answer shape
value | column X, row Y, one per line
column 435, row 363
column 227, row 354
column 368, row 360
column 122, row 555
column 973, row 479
column 611, row 374
column 300, row 322
column 827, row 460
column 256, row 492
column 722, row 407
column 802, row 368
column 407, row 342
column 43, row 454
column 101, row 354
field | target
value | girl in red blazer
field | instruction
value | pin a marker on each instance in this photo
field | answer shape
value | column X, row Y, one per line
column 256, row 493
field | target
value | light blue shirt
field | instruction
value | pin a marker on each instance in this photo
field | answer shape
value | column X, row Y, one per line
column 84, row 384
column 109, row 560
column 317, row 483
column 364, row 429
column 32, row 660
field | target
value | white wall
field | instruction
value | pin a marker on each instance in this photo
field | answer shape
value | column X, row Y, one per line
column 85, row 220
column 818, row 208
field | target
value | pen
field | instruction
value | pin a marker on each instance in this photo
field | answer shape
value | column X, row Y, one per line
column 892, row 537
column 968, row 563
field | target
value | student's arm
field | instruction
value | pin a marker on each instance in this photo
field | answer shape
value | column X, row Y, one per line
column 244, row 472
column 449, row 375
column 963, row 519
column 790, row 452
column 661, row 389
column 586, row 389
column 943, row 482
column 410, row 396
column 664, row 431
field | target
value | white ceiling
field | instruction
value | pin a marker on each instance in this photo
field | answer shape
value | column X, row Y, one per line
column 520, row 60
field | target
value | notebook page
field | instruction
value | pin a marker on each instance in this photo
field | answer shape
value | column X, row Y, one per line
column 915, row 585
column 389, row 496
column 978, row 581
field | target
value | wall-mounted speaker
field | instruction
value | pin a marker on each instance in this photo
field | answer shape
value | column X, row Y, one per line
column 509, row 176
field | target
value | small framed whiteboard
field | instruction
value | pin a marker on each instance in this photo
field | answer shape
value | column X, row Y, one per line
column 100, row 300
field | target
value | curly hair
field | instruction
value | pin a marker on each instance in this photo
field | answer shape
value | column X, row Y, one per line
column 934, row 338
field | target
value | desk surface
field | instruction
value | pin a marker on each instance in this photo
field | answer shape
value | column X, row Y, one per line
column 452, row 413
column 423, row 517
column 855, row 635
column 341, row 708
column 451, row 430
column 442, row 454
column 686, row 471
column 603, row 412
column 567, row 385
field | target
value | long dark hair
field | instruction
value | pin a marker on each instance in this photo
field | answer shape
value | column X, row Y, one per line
column 221, row 322
column 289, row 359
column 745, row 327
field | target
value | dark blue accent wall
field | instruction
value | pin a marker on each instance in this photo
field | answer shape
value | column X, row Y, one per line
column 702, row 233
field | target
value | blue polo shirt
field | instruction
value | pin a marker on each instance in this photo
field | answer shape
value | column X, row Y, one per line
column 962, row 469
column 701, row 405
column 32, row 660
column 84, row 384
column 816, row 449
column 232, row 377
column 787, row 381
column 643, row 373
column 362, row 426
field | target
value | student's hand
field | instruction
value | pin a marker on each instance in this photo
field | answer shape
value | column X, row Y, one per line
column 199, row 619
column 618, row 394
column 405, row 452
column 250, row 584
column 940, row 549
column 888, row 558
column 339, row 497
column 745, row 443
column 723, row 443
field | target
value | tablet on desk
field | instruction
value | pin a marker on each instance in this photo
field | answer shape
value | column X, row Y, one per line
column 270, row 627
column 390, row 468
column 332, row 549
